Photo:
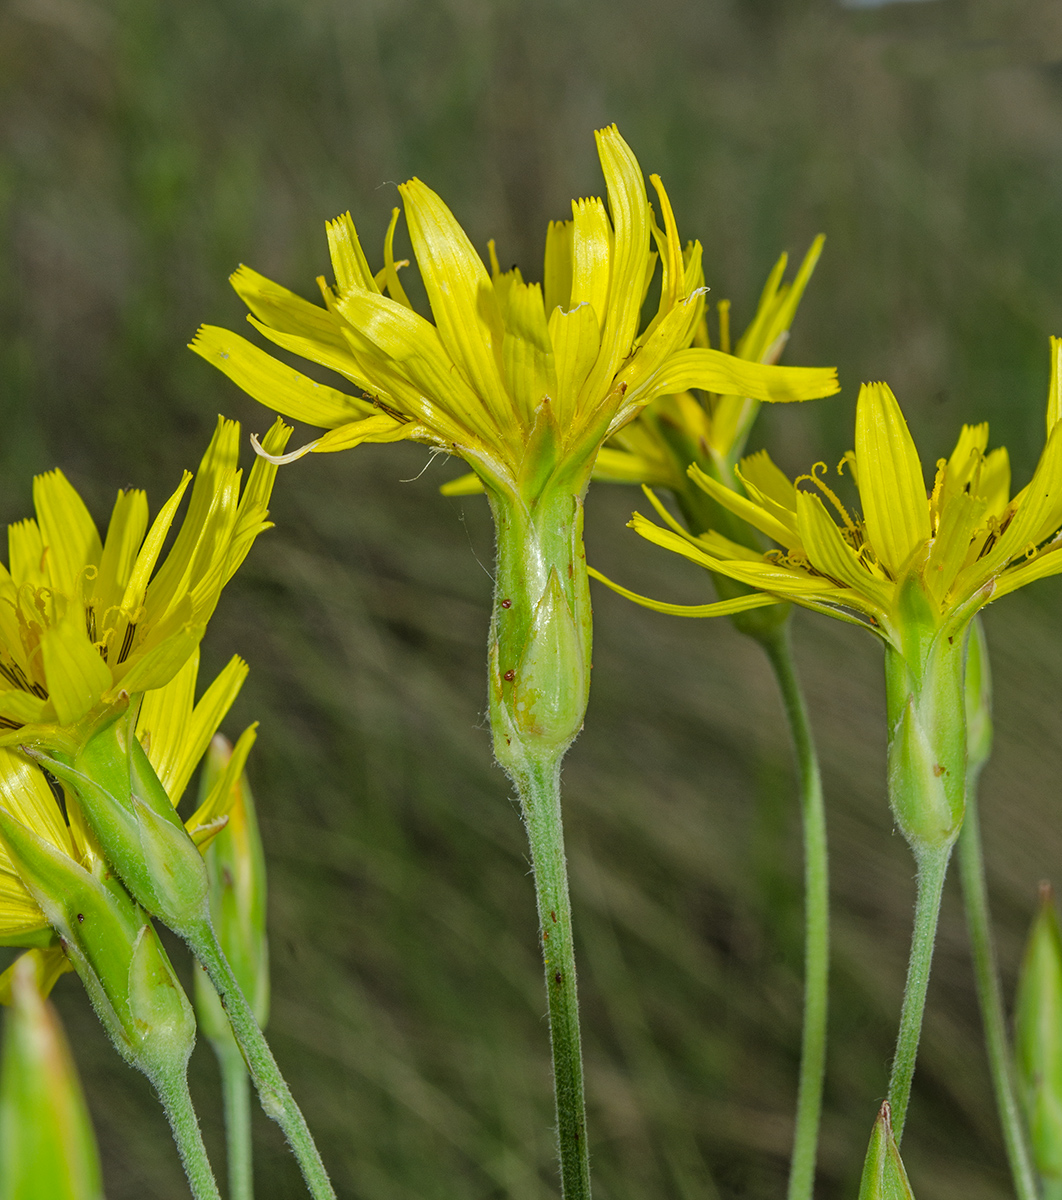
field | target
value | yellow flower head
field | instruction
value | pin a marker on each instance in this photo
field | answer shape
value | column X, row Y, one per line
column 519, row 379
column 175, row 732
column 937, row 556
column 85, row 622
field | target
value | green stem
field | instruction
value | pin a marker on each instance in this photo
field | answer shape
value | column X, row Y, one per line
column 236, row 1090
column 990, row 996
column 273, row 1091
column 816, row 920
column 932, row 867
column 539, row 789
column 172, row 1088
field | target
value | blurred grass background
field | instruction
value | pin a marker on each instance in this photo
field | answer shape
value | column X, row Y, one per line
column 146, row 148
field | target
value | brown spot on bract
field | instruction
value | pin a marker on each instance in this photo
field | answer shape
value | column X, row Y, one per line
column 553, row 915
column 507, row 604
column 938, row 770
column 510, row 675
column 81, row 918
column 558, row 979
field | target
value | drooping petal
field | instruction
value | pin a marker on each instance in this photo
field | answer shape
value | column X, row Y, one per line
column 775, row 523
column 277, row 308
column 719, row 608
column 272, row 382
column 892, row 489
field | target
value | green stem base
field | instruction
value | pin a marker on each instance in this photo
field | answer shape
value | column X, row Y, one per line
column 539, row 790
column 816, row 920
column 273, row 1091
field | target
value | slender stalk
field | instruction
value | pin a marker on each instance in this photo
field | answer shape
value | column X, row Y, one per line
column 236, row 1091
column 932, row 867
column 172, row 1087
column 273, row 1091
column 539, row 789
column 816, row 919
column 990, row 997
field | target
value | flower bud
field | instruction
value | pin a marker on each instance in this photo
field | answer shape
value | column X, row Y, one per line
column 926, row 702
column 136, row 824
column 884, row 1177
column 540, row 632
column 47, row 1147
column 113, row 948
column 236, row 868
column 1038, row 1039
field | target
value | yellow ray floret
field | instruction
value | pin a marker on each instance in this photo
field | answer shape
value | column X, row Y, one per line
column 963, row 542
column 86, row 622
column 502, row 358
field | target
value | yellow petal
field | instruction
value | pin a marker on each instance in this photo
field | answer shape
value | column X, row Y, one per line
column 714, row 371
column 463, row 485
column 892, row 489
column 160, row 659
column 774, row 523
column 591, row 248
column 25, row 549
column 559, row 265
column 831, row 555
column 629, row 208
column 25, row 794
column 394, row 287
column 125, row 533
column 282, row 310
column 461, row 295
column 202, row 824
column 530, row 374
column 340, row 357
column 272, row 383
column 349, row 264
column 69, row 534
column 576, row 339
column 763, row 479
column 77, row 676
column 720, row 608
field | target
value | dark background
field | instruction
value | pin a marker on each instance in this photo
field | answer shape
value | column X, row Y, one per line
column 148, row 147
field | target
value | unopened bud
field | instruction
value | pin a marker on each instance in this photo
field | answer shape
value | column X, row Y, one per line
column 131, row 814
column 47, row 1147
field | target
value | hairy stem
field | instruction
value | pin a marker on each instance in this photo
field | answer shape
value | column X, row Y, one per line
column 172, row 1087
column 273, row 1091
column 932, row 867
column 539, row 789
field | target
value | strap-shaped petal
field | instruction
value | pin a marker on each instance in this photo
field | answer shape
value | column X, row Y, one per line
column 766, row 481
column 281, row 309
column 1054, row 392
column 714, row 371
column 25, row 551
column 892, row 489
column 559, row 265
column 832, row 556
column 125, row 533
column 349, row 264
column 576, row 338
column 530, row 374
column 775, row 522
column 591, row 254
column 1044, row 565
column 461, row 295
column 69, row 534
column 629, row 207
column 77, row 676
column 719, row 608
column 273, row 383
